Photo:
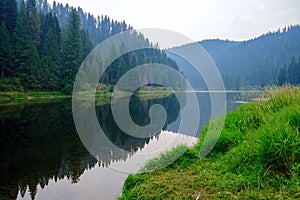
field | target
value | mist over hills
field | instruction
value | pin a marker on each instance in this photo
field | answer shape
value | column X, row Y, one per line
column 39, row 41
column 272, row 58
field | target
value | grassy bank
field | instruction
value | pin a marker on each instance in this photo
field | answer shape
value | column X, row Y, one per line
column 11, row 98
column 256, row 157
column 6, row 96
column 103, row 95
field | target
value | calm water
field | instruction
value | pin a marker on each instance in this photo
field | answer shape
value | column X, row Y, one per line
column 42, row 156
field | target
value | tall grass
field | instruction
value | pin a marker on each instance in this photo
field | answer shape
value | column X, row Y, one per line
column 257, row 156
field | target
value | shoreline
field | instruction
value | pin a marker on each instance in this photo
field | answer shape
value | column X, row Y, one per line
column 102, row 95
column 252, row 164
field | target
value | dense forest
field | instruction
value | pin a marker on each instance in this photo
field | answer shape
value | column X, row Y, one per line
column 270, row 59
column 257, row 62
column 42, row 46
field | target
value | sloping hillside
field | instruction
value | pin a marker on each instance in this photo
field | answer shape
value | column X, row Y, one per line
column 251, row 63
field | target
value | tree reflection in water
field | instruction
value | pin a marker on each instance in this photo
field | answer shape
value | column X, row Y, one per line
column 39, row 143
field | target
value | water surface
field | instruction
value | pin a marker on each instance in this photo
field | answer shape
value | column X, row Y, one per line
column 42, row 156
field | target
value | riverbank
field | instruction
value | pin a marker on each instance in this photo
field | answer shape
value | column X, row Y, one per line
column 12, row 98
column 257, row 156
column 103, row 95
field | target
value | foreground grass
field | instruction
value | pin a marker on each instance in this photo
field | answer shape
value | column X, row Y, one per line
column 256, row 157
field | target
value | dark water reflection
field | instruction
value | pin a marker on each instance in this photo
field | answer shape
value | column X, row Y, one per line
column 39, row 143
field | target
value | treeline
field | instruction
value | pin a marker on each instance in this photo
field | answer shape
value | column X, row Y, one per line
column 99, row 28
column 258, row 62
column 289, row 74
column 35, row 53
column 271, row 59
column 43, row 46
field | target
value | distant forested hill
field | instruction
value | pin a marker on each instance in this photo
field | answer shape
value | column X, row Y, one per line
column 216, row 48
column 272, row 58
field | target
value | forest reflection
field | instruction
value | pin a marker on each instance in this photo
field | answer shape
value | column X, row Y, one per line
column 39, row 143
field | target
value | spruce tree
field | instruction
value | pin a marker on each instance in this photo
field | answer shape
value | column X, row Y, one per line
column 282, row 77
column 294, row 72
column 34, row 22
column 8, row 14
column 50, row 62
column 4, row 50
column 86, row 43
column 45, row 7
column 72, row 51
column 26, row 57
column 3, row 11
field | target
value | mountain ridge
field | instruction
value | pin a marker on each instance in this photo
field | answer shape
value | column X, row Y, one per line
column 251, row 63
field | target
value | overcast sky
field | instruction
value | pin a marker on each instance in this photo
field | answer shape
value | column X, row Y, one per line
column 199, row 19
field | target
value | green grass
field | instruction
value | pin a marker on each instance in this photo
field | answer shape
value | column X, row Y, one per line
column 23, row 95
column 257, row 156
column 151, row 89
column 102, row 96
column 14, row 98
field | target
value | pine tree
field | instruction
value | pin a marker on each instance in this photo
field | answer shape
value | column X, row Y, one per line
column 3, row 11
column 11, row 17
column 86, row 43
column 294, row 72
column 4, row 50
column 26, row 57
column 34, row 22
column 72, row 51
column 45, row 7
column 50, row 62
column 282, row 77
column 8, row 14
column 48, row 22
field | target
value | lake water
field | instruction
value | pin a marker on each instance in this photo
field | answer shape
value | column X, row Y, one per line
column 42, row 156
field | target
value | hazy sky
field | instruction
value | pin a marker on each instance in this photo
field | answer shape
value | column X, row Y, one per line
column 199, row 19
